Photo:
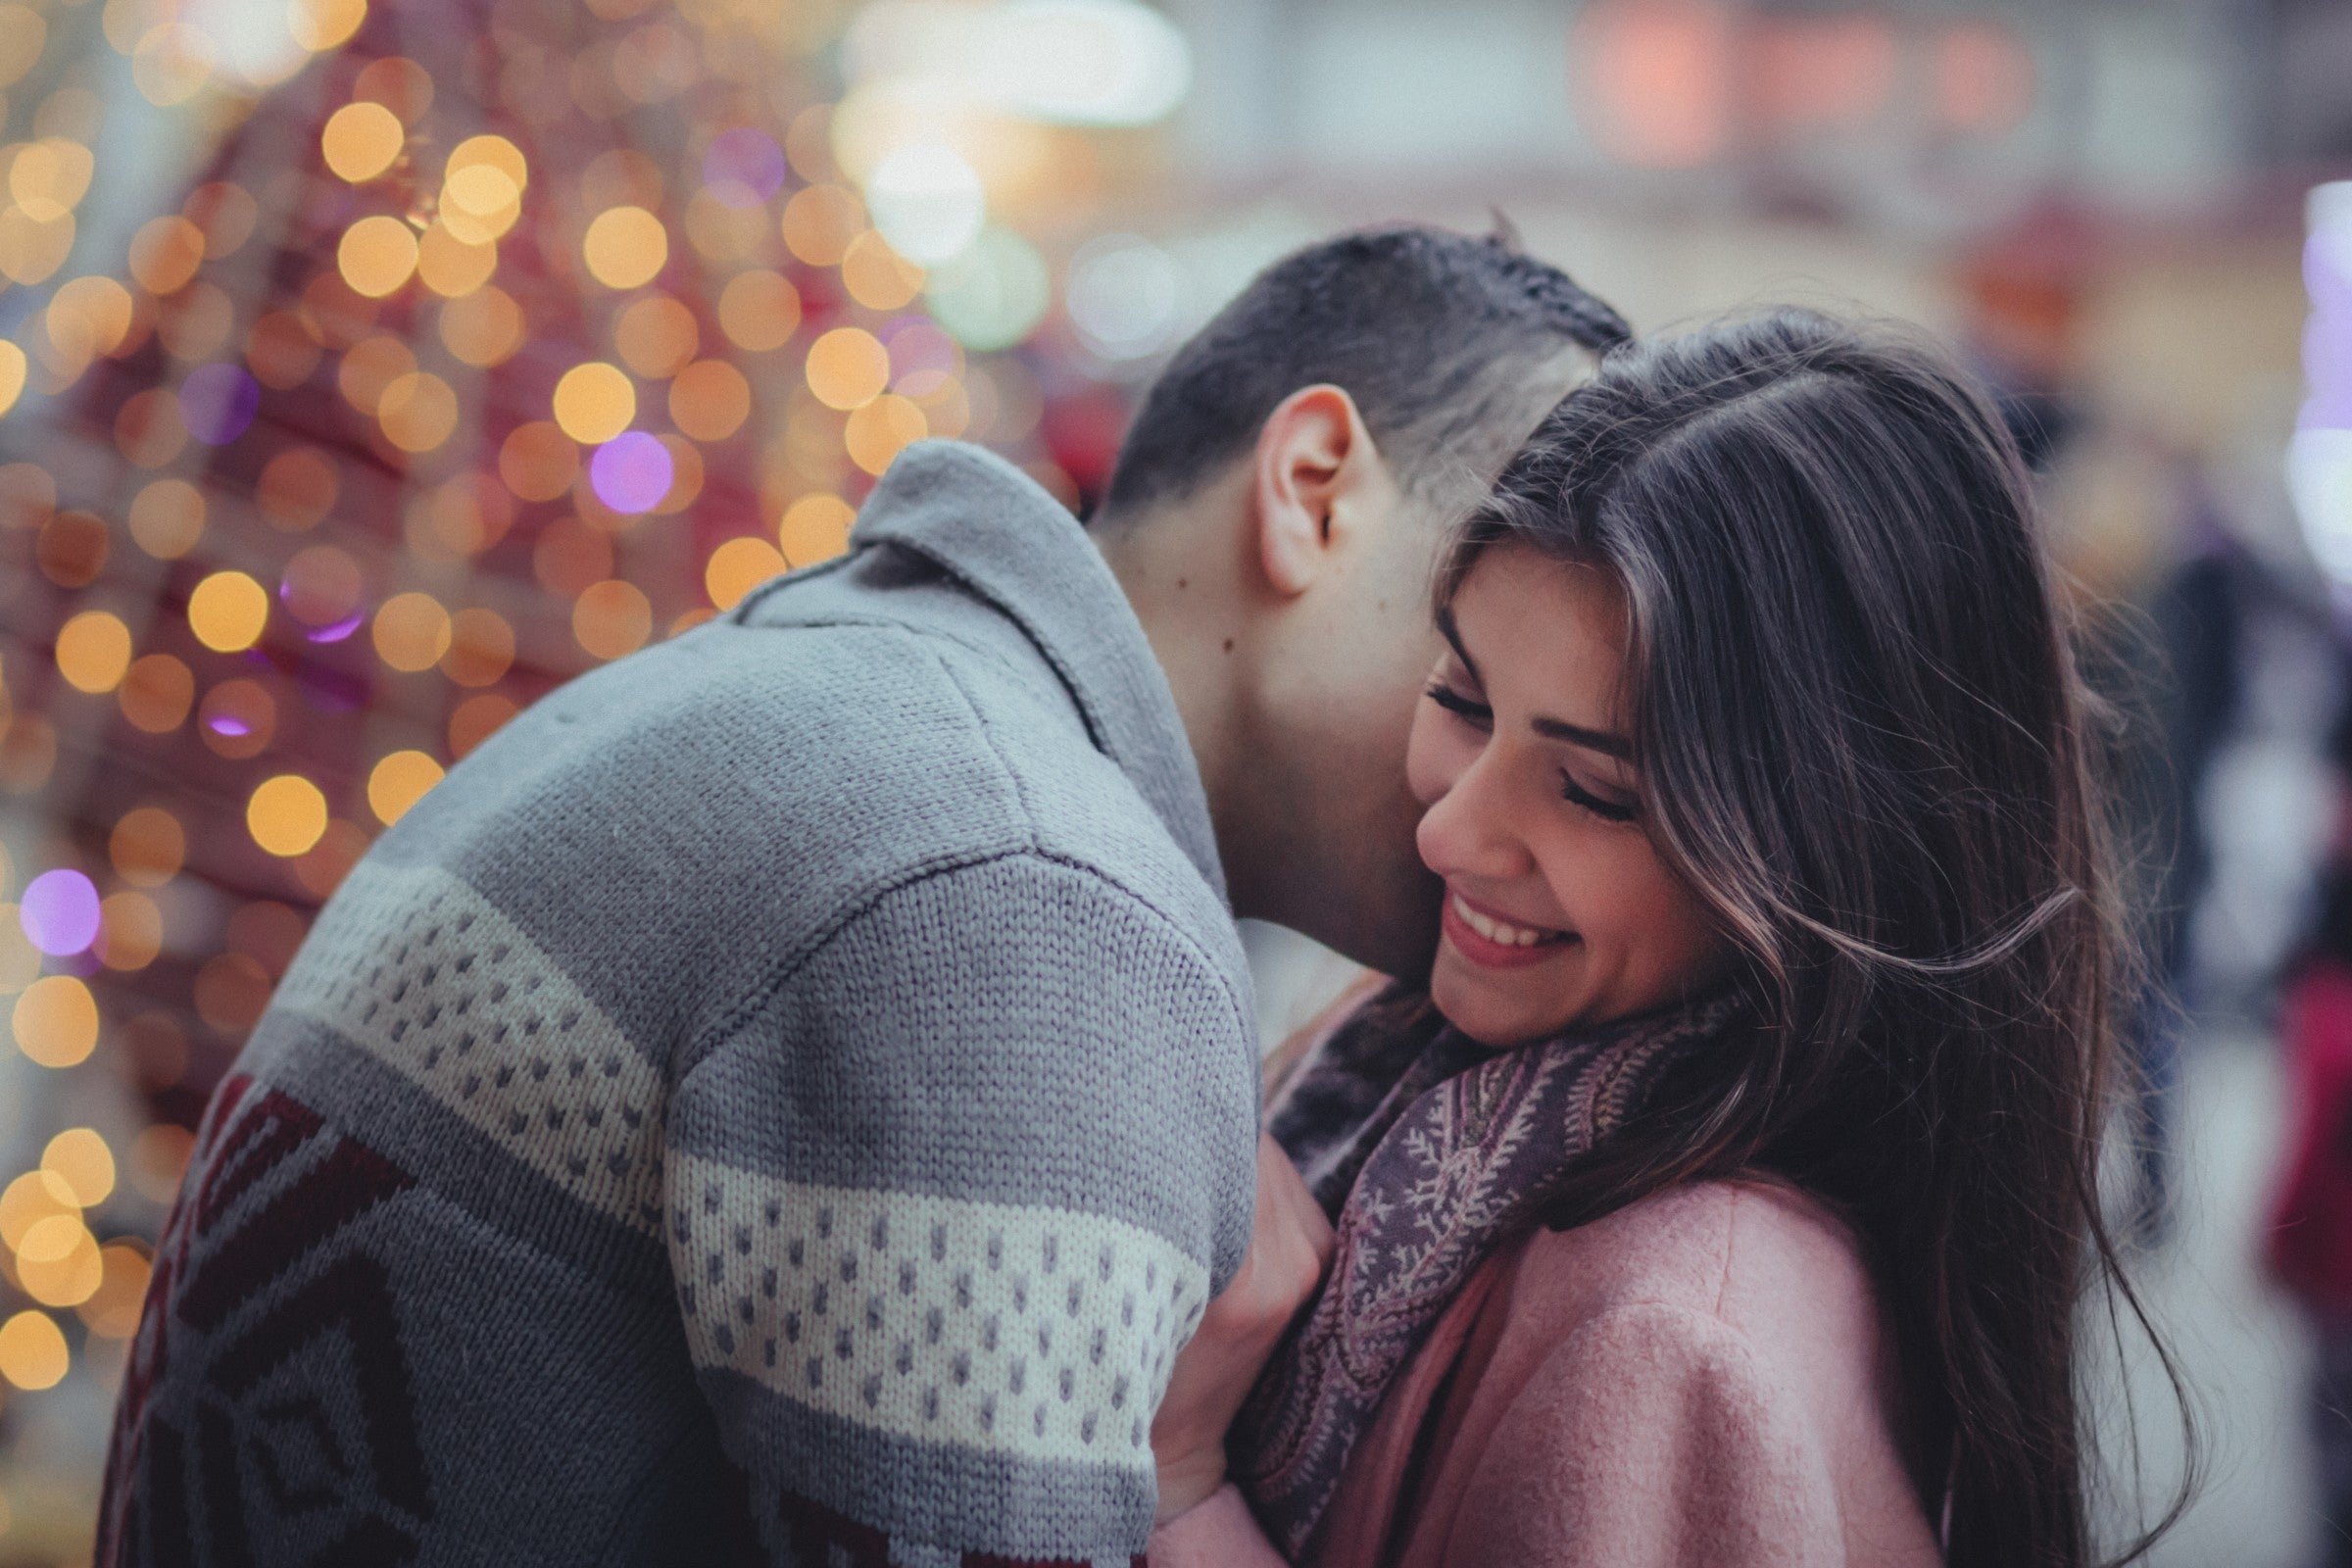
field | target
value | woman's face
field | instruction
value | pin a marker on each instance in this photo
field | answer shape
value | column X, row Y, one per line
column 1558, row 909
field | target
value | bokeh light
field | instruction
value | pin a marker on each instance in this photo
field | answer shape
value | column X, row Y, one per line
column 167, row 519
column 228, row 612
column 217, row 402
column 79, row 1158
column 738, row 567
column 927, row 201
column 814, row 529
column 878, row 431
column 457, row 370
column 377, row 255
column 848, row 368
column 286, row 814
column 631, row 472
column 877, row 276
column 484, row 329
column 130, row 931
column 419, row 410
column 994, row 294
column 11, row 375
column 626, row 247
column 595, row 402
column 819, row 222
column 156, row 691
column 759, row 310
column 147, row 847
column 59, row 911
column 537, row 460
column 33, row 1351
column 709, row 400
column 613, row 619
column 93, row 651
column 451, row 266
column 657, row 336
column 399, row 782
column 55, row 1020
column 361, row 140
column 164, row 254
column 743, row 166
column 412, row 631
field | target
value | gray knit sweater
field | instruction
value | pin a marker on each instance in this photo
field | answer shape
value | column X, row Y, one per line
column 795, row 1081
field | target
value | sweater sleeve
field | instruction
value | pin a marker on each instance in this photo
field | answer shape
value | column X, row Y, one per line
column 1653, row 1436
column 944, row 1206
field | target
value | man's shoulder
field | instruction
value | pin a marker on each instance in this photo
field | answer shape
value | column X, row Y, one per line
column 771, row 779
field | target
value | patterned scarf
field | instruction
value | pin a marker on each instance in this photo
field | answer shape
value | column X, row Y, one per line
column 1457, row 1159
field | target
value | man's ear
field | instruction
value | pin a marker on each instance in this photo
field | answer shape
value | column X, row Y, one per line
column 1313, row 455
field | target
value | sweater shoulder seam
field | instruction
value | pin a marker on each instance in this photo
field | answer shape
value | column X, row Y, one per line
column 731, row 1020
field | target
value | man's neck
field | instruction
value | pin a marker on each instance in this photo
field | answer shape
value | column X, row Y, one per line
column 1187, row 592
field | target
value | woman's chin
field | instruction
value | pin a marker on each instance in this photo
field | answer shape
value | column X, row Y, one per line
column 1486, row 1010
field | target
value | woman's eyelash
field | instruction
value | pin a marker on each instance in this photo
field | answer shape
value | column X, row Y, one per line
column 1456, row 702
column 1577, row 795
column 1574, row 793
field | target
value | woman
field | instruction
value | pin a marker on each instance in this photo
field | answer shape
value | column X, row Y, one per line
column 1738, row 1208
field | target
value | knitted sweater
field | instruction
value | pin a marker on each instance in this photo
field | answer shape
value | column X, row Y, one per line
column 797, row 1082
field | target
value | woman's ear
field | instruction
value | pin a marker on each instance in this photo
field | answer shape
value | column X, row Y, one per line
column 1313, row 453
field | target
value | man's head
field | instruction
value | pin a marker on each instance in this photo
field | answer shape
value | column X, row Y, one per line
column 1275, row 513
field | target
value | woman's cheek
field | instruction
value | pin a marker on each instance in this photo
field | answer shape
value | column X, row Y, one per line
column 1429, row 770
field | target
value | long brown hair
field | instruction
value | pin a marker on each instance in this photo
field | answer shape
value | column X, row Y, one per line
column 1863, row 740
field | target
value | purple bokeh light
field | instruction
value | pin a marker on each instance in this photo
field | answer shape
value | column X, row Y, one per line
column 631, row 472
column 228, row 725
column 335, row 631
column 217, row 402
column 922, row 356
column 60, row 912
column 743, row 167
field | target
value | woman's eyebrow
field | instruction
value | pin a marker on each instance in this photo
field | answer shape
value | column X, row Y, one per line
column 1559, row 729
column 1453, row 639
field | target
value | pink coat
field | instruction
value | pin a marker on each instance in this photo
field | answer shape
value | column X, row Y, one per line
column 1701, row 1378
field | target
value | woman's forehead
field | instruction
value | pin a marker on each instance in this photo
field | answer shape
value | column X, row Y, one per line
column 1550, row 633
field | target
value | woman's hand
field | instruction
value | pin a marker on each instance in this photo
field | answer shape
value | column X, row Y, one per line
column 1290, row 1247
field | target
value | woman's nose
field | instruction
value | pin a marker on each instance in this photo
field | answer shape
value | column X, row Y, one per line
column 1468, row 830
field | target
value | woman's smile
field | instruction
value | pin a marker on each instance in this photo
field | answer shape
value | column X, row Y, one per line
column 1490, row 941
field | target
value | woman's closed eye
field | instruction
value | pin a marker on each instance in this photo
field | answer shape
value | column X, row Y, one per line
column 1466, row 709
column 1607, row 810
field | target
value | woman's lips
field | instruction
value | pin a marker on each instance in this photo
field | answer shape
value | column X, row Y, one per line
column 1491, row 942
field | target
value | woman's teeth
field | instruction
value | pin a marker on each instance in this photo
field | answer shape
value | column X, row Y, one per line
column 1500, row 931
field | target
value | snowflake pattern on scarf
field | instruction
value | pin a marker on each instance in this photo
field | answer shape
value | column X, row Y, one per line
column 1459, row 1158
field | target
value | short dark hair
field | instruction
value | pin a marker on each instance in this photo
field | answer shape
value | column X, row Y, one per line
column 1440, row 338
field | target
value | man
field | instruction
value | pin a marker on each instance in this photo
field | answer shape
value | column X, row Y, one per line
column 815, row 1054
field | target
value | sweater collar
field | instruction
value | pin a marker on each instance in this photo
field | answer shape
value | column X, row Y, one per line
column 1003, row 537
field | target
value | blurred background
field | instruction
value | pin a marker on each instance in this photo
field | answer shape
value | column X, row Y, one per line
column 367, row 369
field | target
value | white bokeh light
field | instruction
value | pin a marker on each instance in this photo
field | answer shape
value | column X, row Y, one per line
column 249, row 38
column 1122, row 295
column 1085, row 61
column 927, row 201
column 1065, row 62
column 994, row 294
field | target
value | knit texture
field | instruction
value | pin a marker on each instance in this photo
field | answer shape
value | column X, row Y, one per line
column 786, row 1097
